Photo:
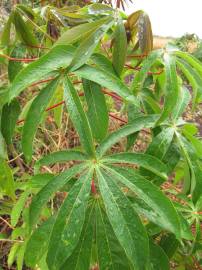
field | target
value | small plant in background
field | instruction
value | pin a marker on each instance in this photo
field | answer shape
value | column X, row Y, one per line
column 99, row 202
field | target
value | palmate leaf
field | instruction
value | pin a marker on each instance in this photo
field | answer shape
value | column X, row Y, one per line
column 58, row 58
column 34, row 117
column 97, row 109
column 166, row 215
column 134, row 126
column 54, row 185
column 78, row 117
column 125, row 222
column 69, row 222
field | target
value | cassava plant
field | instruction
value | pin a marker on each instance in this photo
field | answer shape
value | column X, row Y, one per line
column 113, row 213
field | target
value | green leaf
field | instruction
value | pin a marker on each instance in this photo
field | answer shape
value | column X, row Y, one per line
column 81, row 256
column 38, row 181
column 14, row 67
column 119, row 47
column 88, row 45
column 3, row 152
column 18, row 208
column 173, row 93
column 159, row 259
column 60, row 156
column 6, row 179
column 195, row 63
column 182, row 103
column 34, row 116
column 69, row 222
column 38, row 243
column 196, row 143
column 58, row 111
column 133, row 112
column 163, row 210
column 103, row 63
column 81, row 31
column 148, row 162
column 192, row 76
column 78, row 117
column 134, row 126
column 59, row 57
column 125, row 222
column 23, row 30
column 141, row 76
column 110, row 253
column 42, row 197
column 97, row 109
column 169, row 244
column 160, row 143
column 9, row 118
column 5, row 36
column 107, row 80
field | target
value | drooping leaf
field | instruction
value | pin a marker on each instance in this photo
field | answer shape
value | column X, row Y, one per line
column 69, row 222
column 97, row 109
column 119, row 47
column 58, row 58
column 134, row 126
column 42, row 197
column 9, row 118
column 125, row 222
column 148, row 162
column 78, row 117
column 34, row 116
